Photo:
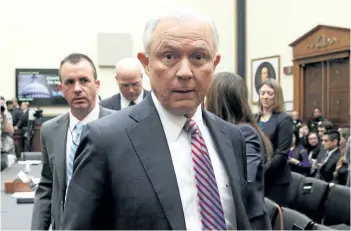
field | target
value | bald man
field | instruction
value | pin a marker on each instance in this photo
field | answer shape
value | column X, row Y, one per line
column 129, row 77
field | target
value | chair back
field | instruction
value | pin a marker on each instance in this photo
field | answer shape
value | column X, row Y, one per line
column 337, row 206
column 311, row 198
column 294, row 188
column 294, row 220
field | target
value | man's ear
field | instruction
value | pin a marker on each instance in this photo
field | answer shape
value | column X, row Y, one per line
column 144, row 60
column 60, row 86
column 217, row 60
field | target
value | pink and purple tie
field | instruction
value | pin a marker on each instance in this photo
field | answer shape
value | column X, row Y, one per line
column 211, row 210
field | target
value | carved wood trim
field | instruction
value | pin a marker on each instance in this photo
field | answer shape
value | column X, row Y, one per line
column 329, row 43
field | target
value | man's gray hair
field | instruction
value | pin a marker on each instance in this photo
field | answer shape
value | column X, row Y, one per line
column 184, row 13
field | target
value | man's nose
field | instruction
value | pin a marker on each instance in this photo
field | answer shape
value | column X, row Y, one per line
column 184, row 71
column 130, row 89
column 77, row 87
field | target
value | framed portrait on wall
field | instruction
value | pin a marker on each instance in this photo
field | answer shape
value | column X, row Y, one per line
column 262, row 69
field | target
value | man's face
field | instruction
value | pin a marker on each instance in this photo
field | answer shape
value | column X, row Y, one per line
column 316, row 113
column 328, row 144
column 294, row 115
column 181, row 64
column 130, row 83
column 24, row 106
column 264, row 74
column 10, row 106
column 78, row 85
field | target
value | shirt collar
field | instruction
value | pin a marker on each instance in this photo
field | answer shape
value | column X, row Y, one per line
column 136, row 101
column 173, row 124
column 332, row 151
column 93, row 115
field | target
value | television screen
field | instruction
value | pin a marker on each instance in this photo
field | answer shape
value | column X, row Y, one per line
column 39, row 87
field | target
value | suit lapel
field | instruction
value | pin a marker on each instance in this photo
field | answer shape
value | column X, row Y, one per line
column 225, row 150
column 118, row 102
column 60, row 149
column 145, row 93
column 103, row 112
column 153, row 152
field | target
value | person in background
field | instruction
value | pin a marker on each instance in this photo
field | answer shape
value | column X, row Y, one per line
column 129, row 77
column 297, row 123
column 14, row 111
column 316, row 120
column 165, row 163
column 323, row 127
column 228, row 99
column 314, row 149
column 302, row 134
column 341, row 170
column 60, row 137
column 15, row 102
column 327, row 166
column 277, row 125
column 7, row 144
column 22, row 122
column 298, row 157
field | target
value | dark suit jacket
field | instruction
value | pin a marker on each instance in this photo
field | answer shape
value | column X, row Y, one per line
column 22, row 120
column 124, row 176
column 50, row 194
column 256, row 155
column 279, row 129
column 114, row 102
column 326, row 171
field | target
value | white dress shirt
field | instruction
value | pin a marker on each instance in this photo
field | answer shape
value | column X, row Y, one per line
column 179, row 143
column 93, row 115
column 125, row 102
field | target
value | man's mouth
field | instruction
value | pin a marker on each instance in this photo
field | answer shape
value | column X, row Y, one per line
column 183, row 91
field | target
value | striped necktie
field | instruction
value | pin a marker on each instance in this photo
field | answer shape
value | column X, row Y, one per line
column 77, row 130
column 209, row 201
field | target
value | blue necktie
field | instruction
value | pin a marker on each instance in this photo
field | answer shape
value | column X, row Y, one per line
column 77, row 130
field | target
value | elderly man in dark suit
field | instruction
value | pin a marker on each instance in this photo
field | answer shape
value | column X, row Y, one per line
column 60, row 136
column 165, row 163
column 129, row 76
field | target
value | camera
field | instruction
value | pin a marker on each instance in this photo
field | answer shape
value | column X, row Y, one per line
column 35, row 114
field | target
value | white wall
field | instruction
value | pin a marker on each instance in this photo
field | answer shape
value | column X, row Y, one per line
column 273, row 24
column 38, row 33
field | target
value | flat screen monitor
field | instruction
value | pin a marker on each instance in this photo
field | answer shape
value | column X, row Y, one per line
column 39, row 87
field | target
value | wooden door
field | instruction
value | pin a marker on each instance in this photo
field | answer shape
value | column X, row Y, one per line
column 338, row 91
column 313, row 83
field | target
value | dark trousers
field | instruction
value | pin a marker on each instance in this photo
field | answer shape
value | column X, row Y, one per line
column 279, row 193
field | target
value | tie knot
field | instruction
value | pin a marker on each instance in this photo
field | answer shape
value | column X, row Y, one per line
column 191, row 127
column 79, row 126
column 131, row 103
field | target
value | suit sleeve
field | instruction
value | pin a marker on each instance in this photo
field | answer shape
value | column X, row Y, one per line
column 253, row 151
column 86, row 191
column 254, row 197
column 283, row 143
column 41, row 217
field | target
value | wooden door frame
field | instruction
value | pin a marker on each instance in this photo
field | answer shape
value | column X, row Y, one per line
column 322, row 43
column 298, row 71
